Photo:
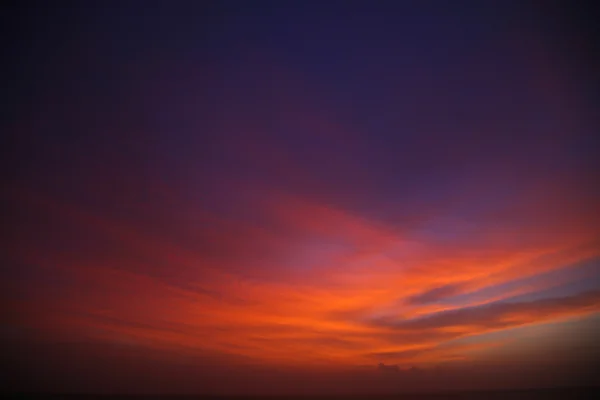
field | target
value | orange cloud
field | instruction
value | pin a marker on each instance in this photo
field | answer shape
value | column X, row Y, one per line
column 376, row 294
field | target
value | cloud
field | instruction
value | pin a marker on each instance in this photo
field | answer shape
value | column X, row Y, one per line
column 435, row 294
column 501, row 314
column 395, row 355
column 388, row 368
column 241, row 285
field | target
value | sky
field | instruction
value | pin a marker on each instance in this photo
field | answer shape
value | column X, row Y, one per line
column 300, row 197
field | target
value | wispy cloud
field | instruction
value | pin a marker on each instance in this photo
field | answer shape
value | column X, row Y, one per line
column 375, row 295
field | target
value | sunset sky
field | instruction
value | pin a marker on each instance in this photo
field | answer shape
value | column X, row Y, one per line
column 300, row 197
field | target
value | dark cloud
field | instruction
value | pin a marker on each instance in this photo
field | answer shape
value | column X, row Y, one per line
column 435, row 294
column 501, row 314
column 388, row 368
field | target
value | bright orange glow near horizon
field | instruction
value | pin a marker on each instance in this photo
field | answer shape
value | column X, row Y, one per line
column 374, row 296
